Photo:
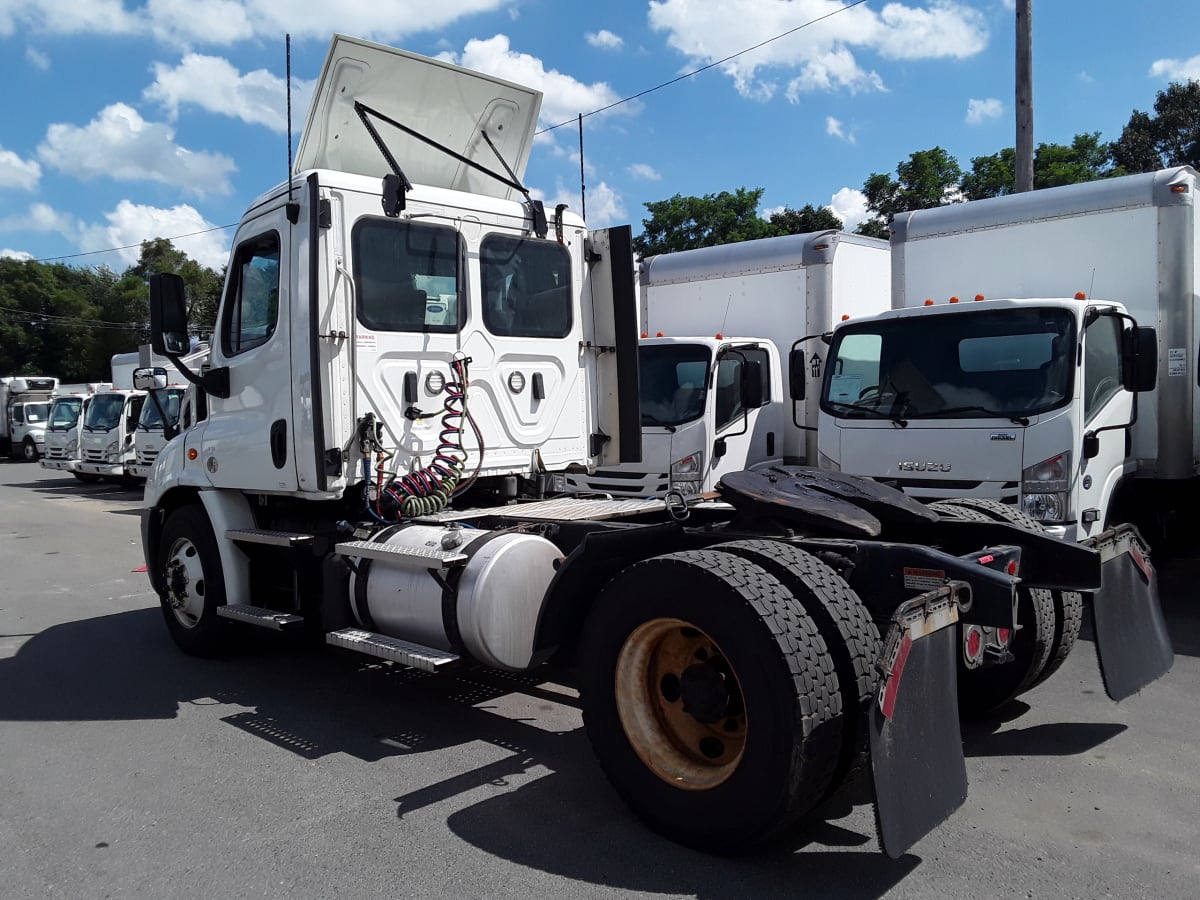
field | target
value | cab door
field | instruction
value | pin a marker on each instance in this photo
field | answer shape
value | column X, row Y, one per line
column 747, row 431
column 247, row 440
column 1106, row 407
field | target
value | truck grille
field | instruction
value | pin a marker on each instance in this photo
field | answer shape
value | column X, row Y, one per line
column 146, row 457
column 622, row 484
column 96, row 456
column 56, row 453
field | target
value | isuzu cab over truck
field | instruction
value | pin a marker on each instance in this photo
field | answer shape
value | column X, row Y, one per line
column 780, row 293
column 106, row 442
column 1049, row 405
column 25, row 404
column 408, row 348
column 62, row 431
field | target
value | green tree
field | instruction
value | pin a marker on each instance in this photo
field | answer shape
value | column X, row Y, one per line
column 926, row 179
column 1086, row 158
column 1169, row 137
column 202, row 286
column 685, row 223
column 804, row 220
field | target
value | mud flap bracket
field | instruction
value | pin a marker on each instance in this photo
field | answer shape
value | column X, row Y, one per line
column 918, row 771
column 1132, row 643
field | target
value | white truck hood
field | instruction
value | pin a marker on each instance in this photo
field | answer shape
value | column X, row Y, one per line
column 443, row 102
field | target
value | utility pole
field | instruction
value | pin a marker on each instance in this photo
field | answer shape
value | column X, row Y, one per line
column 1024, row 95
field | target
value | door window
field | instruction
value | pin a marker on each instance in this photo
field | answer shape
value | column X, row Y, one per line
column 252, row 295
column 407, row 276
column 1102, row 364
column 729, row 382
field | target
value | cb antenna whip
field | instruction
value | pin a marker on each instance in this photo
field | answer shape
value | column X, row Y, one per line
column 288, row 49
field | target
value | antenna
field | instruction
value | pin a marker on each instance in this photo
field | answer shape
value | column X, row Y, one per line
column 582, row 186
column 288, row 46
column 725, row 318
column 1092, row 284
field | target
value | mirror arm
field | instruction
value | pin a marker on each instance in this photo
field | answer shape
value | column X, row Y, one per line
column 214, row 382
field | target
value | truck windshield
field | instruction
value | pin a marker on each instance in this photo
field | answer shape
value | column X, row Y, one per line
column 673, row 381
column 1008, row 363
column 104, row 412
column 37, row 412
column 64, row 414
column 151, row 420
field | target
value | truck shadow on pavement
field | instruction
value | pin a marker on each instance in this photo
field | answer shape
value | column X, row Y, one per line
column 560, row 817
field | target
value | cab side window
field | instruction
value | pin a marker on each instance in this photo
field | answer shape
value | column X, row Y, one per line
column 1101, row 363
column 526, row 287
column 252, row 295
column 729, row 382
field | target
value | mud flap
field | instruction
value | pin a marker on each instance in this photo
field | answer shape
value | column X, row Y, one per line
column 918, row 771
column 1132, row 643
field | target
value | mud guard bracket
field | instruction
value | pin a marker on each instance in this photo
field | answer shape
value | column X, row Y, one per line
column 1132, row 643
column 918, row 771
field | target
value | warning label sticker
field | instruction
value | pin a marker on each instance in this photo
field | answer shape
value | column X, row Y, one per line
column 365, row 340
column 923, row 579
column 1176, row 361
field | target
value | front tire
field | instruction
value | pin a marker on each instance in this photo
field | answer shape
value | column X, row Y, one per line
column 29, row 450
column 189, row 568
column 710, row 699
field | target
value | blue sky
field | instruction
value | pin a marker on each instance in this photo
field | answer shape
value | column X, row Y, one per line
column 126, row 120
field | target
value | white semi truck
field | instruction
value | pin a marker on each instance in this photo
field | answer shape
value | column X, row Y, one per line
column 718, row 322
column 25, row 407
column 408, row 348
column 1026, row 388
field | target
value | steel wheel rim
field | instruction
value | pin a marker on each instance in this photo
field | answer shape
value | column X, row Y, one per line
column 185, row 581
column 664, row 666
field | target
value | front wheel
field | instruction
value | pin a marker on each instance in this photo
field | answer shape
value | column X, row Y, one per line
column 710, row 699
column 189, row 568
column 29, row 450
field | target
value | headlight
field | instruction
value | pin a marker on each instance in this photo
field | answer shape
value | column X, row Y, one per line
column 690, row 468
column 1044, row 489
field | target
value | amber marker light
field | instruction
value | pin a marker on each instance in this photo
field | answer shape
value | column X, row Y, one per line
column 978, row 297
column 929, row 303
column 192, row 454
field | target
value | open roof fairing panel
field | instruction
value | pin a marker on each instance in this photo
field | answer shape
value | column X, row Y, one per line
column 446, row 103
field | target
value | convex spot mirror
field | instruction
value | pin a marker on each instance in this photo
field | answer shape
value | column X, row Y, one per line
column 154, row 379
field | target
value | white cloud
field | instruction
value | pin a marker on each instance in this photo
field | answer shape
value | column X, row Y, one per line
column 823, row 52
column 1177, row 69
column 604, row 205
column 767, row 212
column 221, row 22
column 564, row 97
column 980, row 111
column 834, row 128
column 604, row 39
column 37, row 59
column 849, row 205
column 1086, row 78
column 9, row 253
column 644, row 172
column 18, row 173
column 130, row 223
column 121, row 145
column 216, row 86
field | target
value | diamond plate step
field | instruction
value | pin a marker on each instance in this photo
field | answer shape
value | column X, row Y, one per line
column 260, row 615
column 272, row 538
column 406, row 653
column 417, row 556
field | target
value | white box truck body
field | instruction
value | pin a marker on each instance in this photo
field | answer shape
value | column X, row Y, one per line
column 773, row 293
column 25, row 405
column 980, row 418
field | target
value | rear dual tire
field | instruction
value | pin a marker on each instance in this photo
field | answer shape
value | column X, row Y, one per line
column 711, row 697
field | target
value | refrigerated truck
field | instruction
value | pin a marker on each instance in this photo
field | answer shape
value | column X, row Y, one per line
column 729, row 355
column 1010, row 366
column 24, row 408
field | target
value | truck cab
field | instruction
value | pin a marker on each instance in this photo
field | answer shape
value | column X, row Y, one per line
column 62, row 433
column 149, row 436
column 106, row 443
column 708, row 406
column 1028, row 402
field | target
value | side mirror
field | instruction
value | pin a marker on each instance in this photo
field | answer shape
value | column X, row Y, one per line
column 718, row 448
column 154, row 379
column 752, row 386
column 1091, row 445
column 796, row 368
column 1140, row 359
column 168, row 315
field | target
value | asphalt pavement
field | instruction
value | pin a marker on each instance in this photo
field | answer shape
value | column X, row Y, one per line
column 130, row 770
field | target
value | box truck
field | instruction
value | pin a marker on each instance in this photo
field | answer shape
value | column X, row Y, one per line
column 62, row 429
column 25, row 407
column 410, row 346
column 106, row 441
column 728, row 353
column 1008, row 371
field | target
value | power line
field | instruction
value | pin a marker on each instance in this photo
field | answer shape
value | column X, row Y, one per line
column 38, row 317
column 704, row 68
column 131, row 246
column 594, row 112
